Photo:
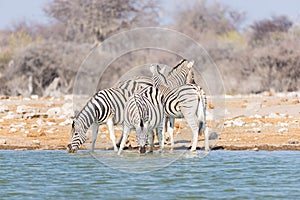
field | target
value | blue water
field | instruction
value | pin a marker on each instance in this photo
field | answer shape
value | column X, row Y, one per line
column 220, row 175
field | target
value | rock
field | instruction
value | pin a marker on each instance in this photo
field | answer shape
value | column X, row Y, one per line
column 67, row 110
column 65, row 123
column 273, row 115
column 54, row 112
column 282, row 130
column 213, row 136
column 2, row 141
column 12, row 130
column 22, row 109
column 36, row 142
column 256, row 130
column 1, row 120
column 282, row 124
column 35, row 97
column 10, row 115
column 291, row 141
column 50, row 123
column 3, row 108
column 238, row 122
column 39, row 122
column 268, row 125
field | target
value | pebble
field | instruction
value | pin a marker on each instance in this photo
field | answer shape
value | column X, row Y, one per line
column 12, row 130
column 3, row 108
column 256, row 130
column 238, row 122
column 293, row 141
column 22, row 109
column 282, row 130
column 54, row 112
column 2, row 141
column 65, row 123
column 36, row 142
column 10, row 115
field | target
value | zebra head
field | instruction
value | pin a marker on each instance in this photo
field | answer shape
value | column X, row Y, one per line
column 181, row 74
column 142, row 136
column 77, row 138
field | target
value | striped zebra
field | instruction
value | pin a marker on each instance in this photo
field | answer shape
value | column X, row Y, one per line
column 109, row 104
column 188, row 101
column 181, row 74
column 143, row 112
column 105, row 107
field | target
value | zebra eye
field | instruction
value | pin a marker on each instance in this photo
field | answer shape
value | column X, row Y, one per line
column 75, row 134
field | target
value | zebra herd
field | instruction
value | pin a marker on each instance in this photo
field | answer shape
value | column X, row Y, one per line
column 145, row 104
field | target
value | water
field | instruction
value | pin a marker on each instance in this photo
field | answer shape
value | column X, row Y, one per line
column 220, row 175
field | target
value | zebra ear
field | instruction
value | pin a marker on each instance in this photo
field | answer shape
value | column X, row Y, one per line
column 153, row 69
column 190, row 64
column 162, row 70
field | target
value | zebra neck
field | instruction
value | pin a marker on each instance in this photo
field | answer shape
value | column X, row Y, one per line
column 84, row 120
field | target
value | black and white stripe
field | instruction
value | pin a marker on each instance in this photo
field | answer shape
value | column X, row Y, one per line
column 188, row 101
column 106, row 106
column 143, row 112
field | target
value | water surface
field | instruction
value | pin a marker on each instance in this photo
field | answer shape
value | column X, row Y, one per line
column 178, row 175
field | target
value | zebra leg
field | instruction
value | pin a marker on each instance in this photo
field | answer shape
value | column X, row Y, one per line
column 95, row 127
column 126, row 131
column 112, row 136
column 160, row 137
column 151, row 138
column 171, row 131
column 192, row 122
column 206, row 137
column 164, row 131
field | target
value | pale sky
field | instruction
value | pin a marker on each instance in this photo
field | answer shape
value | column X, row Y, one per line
column 12, row 11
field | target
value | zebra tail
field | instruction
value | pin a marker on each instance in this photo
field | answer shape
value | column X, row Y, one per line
column 201, row 110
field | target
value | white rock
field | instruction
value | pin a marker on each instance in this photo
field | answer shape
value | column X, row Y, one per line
column 3, row 108
column 50, row 130
column 12, row 130
column 238, row 122
column 2, row 141
column 257, row 116
column 50, row 123
column 282, row 130
column 35, row 97
column 10, row 115
column 268, row 125
column 67, row 110
column 36, row 142
column 256, row 130
column 283, row 124
column 24, row 109
column 228, row 123
column 54, row 112
column 1, row 120
column 39, row 122
column 68, row 97
column 273, row 115
column 67, row 122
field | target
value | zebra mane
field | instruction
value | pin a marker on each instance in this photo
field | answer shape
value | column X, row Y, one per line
column 180, row 63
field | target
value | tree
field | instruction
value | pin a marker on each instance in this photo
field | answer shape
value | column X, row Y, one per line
column 85, row 21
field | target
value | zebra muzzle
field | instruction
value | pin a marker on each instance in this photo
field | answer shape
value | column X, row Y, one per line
column 70, row 149
column 142, row 149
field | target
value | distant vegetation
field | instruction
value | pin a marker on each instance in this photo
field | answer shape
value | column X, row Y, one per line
column 35, row 58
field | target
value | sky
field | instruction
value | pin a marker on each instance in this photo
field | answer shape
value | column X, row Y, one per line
column 12, row 11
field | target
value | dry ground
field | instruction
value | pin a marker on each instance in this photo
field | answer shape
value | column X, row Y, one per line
column 252, row 122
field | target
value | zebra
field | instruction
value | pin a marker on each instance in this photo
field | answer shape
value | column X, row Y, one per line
column 181, row 74
column 188, row 101
column 106, row 106
column 143, row 112
column 110, row 109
